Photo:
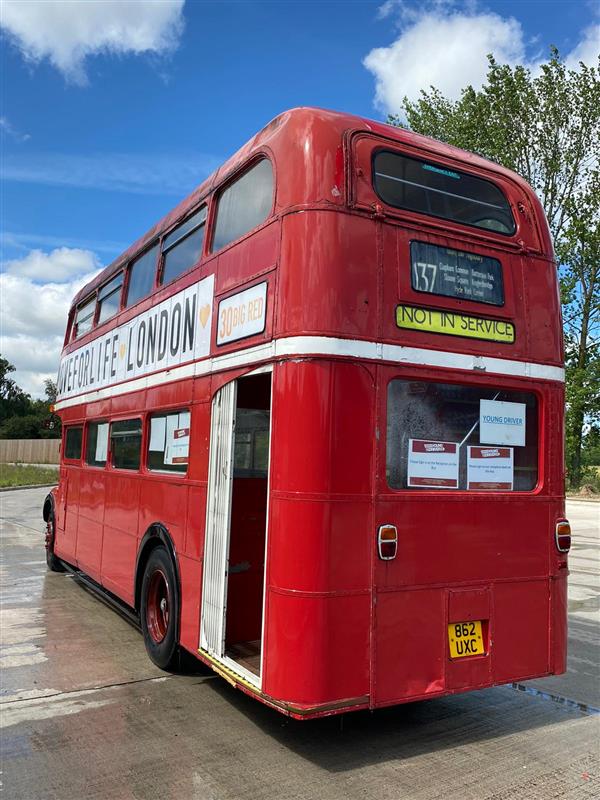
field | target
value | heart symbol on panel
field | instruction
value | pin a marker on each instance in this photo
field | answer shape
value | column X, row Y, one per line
column 122, row 350
column 204, row 315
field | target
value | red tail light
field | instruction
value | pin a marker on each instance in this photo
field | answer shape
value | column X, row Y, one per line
column 563, row 536
column 387, row 542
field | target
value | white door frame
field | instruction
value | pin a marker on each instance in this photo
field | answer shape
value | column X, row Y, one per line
column 213, row 615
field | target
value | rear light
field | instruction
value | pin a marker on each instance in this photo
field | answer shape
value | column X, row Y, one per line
column 563, row 536
column 387, row 542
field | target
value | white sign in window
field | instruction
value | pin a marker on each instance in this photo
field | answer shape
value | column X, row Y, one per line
column 243, row 314
column 432, row 464
column 178, row 438
column 490, row 468
column 501, row 423
column 102, row 442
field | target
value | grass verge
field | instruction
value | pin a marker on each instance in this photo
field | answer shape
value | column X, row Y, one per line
column 26, row 475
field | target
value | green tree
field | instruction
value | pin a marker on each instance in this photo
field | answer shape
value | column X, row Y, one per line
column 13, row 400
column 546, row 127
column 20, row 416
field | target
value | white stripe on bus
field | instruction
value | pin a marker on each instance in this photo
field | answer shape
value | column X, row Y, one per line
column 304, row 346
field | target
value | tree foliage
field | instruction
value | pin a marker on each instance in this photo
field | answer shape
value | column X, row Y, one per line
column 20, row 416
column 546, row 127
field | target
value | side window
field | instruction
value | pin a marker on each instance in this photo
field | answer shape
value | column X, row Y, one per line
column 251, row 448
column 84, row 317
column 73, row 440
column 109, row 298
column 169, row 442
column 141, row 276
column 97, row 444
column 126, row 443
column 182, row 248
column 244, row 204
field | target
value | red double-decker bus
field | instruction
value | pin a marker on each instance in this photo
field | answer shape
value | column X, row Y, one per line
column 313, row 424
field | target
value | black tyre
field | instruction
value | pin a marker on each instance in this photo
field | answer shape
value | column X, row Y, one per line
column 159, row 611
column 54, row 564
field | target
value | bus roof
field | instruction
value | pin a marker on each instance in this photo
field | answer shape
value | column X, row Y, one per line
column 291, row 122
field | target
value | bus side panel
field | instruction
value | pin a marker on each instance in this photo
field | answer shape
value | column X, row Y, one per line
column 318, row 647
column 319, row 548
column 338, row 254
column 559, row 629
column 123, row 503
column 66, row 539
column 190, row 573
column 92, row 486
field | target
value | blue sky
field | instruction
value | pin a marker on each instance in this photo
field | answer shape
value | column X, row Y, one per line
column 111, row 112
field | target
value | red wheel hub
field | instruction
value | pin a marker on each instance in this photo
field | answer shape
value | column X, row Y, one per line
column 157, row 606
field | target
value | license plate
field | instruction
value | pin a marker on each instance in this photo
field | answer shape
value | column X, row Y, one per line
column 465, row 639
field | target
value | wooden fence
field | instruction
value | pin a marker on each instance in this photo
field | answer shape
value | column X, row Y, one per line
column 29, row 451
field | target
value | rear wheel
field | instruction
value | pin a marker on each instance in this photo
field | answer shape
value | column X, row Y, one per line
column 159, row 613
column 54, row 563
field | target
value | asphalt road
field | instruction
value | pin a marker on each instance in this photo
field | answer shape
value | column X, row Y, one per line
column 85, row 715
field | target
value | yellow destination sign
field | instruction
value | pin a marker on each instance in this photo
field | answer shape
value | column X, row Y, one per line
column 434, row 321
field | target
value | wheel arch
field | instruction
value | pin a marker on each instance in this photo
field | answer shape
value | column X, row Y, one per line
column 157, row 535
column 48, row 507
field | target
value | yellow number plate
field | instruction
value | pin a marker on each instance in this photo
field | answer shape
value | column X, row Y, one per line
column 465, row 639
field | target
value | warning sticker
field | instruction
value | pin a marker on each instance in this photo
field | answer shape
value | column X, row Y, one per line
column 490, row 468
column 432, row 464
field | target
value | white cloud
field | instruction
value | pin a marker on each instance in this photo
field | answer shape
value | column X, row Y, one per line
column 154, row 173
column 443, row 50
column 439, row 46
column 587, row 50
column 34, row 314
column 8, row 129
column 57, row 266
column 67, row 33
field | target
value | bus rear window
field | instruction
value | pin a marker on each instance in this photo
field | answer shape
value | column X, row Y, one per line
column 447, row 436
column 438, row 191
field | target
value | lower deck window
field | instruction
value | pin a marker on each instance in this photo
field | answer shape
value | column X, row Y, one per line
column 169, row 442
column 97, row 444
column 73, row 440
column 448, row 436
column 125, row 443
column 251, row 453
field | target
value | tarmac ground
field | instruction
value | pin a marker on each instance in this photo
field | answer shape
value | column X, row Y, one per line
column 84, row 714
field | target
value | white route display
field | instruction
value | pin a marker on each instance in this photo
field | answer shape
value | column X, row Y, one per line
column 243, row 314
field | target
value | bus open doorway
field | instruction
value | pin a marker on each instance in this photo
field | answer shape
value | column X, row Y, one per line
column 235, row 547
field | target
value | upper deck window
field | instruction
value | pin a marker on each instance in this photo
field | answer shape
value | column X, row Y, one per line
column 182, row 248
column 141, row 276
column 84, row 318
column 438, row 191
column 244, row 204
column 109, row 298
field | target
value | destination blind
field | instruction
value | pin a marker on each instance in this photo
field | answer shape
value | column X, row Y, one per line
column 456, row 273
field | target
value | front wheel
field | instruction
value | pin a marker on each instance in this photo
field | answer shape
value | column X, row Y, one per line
column 159, row 613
